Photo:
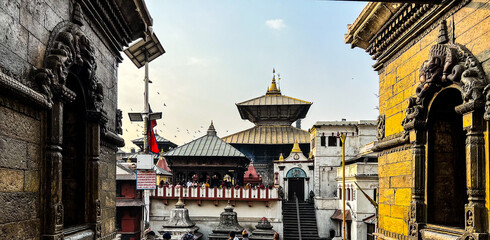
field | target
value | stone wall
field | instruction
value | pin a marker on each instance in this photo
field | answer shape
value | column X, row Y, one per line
column 20, row 156
column 207, row 215
column 25, row 31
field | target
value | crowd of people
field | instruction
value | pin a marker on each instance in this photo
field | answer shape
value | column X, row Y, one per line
column 207, row 184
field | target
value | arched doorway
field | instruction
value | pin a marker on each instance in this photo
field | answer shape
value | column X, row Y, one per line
column 446, row 163
column 296, row 184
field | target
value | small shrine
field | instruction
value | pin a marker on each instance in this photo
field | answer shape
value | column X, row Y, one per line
column 179, row 223
column 228, row 222
column 251, row 176
column 263, row 230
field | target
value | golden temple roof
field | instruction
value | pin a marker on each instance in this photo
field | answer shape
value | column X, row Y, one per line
column 269, row 135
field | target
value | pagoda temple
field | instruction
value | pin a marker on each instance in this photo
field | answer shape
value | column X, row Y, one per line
column 272, row 114
column 207, row 159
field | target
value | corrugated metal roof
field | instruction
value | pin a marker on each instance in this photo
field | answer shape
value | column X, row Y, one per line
column 159, row 139
column 207, row 146
column 269, row 135
column 273, row 100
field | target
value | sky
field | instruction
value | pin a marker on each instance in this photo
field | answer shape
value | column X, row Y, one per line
column 219, row 53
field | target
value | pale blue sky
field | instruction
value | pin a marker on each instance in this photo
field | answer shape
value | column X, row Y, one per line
column 222, row 52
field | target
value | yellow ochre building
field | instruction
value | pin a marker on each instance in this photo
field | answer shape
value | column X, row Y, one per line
column 434, row 105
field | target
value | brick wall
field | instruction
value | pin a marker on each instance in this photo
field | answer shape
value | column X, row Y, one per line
column 397, row 82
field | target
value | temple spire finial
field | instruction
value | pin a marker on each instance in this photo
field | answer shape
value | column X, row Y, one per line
column 273, row 90
column 211, row 129
column 443, row 33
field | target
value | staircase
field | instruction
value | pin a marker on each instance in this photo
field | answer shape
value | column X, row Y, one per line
column 307, row 217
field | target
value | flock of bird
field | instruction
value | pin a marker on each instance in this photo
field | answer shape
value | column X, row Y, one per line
column 139, row 126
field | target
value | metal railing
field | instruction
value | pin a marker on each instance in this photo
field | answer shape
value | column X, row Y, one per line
column 297, row 216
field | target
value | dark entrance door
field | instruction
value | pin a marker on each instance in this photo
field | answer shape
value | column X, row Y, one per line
column 296, row 185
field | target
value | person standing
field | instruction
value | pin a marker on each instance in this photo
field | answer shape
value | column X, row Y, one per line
column 233, row 236
column 245, row 235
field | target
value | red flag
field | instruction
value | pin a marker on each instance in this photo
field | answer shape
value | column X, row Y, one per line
column 152, row 141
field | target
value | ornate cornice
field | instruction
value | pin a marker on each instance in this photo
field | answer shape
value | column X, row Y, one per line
column 384, row 35
column 395, row 149
column 391, row 141
column 22, row 91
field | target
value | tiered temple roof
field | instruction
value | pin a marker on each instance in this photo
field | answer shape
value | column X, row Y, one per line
column 272, row 114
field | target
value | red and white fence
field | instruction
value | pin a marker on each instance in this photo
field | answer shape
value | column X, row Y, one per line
column 217, row 194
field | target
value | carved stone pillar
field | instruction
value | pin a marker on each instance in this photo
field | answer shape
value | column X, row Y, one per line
column 417, row 206
column 475, row 219
column 53, row 217
column 93, row 197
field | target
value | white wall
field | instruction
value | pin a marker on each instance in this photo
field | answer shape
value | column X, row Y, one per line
column 207, row 215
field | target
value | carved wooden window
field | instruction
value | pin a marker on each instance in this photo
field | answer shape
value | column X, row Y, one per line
column 332, row 141
column 446, row 164
column 340, row 193
column 323, row 140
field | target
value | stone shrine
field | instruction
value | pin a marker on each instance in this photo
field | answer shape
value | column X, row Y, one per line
column 228, row 222
column 263, row 230
column 179, row 223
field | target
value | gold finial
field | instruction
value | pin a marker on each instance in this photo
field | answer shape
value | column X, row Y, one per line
column 281, row 158
column 273, row 70
column 179, row 204
column 273, row 90
column 296, row 148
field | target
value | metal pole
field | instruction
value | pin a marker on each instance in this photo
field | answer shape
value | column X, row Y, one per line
column 147, row 109
column 342, row 139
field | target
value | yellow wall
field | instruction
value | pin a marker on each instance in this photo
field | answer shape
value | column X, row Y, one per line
column 396, row 84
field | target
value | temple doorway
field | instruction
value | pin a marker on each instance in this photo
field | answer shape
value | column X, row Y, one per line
column 296, row 184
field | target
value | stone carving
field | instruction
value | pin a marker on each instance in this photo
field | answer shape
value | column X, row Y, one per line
column 77, row 14
column 59, row 214
column 70, row 51
column 119, row 117
column 281, row 192
column 97, row 208
column 469, row 219
column 448, row 64
column 98, row 231
column 413, row 230
column 381, row 127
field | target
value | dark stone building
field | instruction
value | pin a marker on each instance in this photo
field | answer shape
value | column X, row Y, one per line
column 272, row 114
column 59, row 124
